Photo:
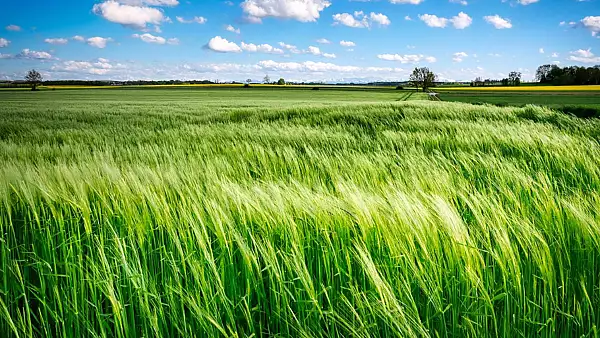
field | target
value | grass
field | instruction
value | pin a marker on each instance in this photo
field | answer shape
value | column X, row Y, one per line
column 551, row 99
column 525, row 88
column 165, row 213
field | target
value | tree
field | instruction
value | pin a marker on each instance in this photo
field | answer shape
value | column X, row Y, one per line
column 34, row 78
column 514, row 78
column 422, row 77
column 248, row 81
column 281, row 82
column 267, row 79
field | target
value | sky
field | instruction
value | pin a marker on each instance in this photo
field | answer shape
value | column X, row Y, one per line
column 299, row 40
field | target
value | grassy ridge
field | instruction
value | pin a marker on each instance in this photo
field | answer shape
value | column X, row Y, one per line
column 227, row 214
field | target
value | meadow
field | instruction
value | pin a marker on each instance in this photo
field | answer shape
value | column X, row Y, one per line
column 557, row 97
column 295, row 213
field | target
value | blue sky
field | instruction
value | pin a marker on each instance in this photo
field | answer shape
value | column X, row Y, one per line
column 329, row 40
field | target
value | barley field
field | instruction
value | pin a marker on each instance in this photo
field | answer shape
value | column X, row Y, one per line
column 232, row 213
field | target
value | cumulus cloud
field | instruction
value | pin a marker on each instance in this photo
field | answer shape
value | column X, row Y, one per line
column 527, row 2
column 159, row 40
column 98, row 42
column 169, row 3
column 554, row 55
column 347, row 43
column 324, row 41
column 129, row 16
column 458, row 57
column 592, row 23
column 584, row 56
column 321, row 67
column 262, row 48
column 541, row 50
column 409, row 58
column 32, row 54
column 407, row 18
column 360, row 20
column 232, row 29
column 221, row 45
column 460, row 21
column 497, row 21
column 317, row 51
column 13, row 28
column 4, row 42
column 99, row 66
column 289, row 48
column 462, row 2
column 300, row 10
column 57, row 41
column 197, row 19
column 78, row 38
column 408, row 2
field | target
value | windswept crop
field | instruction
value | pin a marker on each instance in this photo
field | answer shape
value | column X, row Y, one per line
column 189, row 213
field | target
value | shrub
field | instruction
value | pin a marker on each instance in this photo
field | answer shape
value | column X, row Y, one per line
column 315, row 88
column 399, row 88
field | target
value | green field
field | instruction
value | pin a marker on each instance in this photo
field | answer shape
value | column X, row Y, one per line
column 294, row 213
column 553, row 99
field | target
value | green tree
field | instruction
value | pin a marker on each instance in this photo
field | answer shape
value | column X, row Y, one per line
column 34, row 78
column 281, row 82
column 423, row 78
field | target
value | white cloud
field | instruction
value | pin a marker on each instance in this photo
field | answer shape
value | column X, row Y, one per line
column 458, row 57
column 462, row 2
column 407, row 18
column 4, row 42
column 407, row 2
column 410, row 58
column 78, row 38
column 316, row 51
column 13, row 28
column 497, row 21
column 98, row 42
column 197, row 19
column 300, row 10
column 460, row 21
column 347, row 43
column 433, row 20
column 32, row 54
column 218, row 44
column 140, row 3
column 556, row 62
column 322, row 67
column 554, row 55
column 349, row 20
column 232, row 29
column 495, row 55
column 126, row 15
column 324, row 41
column 290, row 48
column 98, row 67
column 527, row 2
column 541, row 50
column 159, row 40
column 380, row 19
column 263, row 48
column 584, row 56
column 57, row 41
column 592, row 23
column 360, row 20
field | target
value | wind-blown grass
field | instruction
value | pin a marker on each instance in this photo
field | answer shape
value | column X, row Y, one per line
column 159, row 216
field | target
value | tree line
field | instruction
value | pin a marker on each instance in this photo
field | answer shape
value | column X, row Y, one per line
column 572, row 75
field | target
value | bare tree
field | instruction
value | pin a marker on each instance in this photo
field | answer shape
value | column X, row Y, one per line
column 34, row 78
column 422, row 77
column 267, row 79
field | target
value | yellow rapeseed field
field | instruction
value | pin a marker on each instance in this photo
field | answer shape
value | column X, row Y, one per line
column 526, row 88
